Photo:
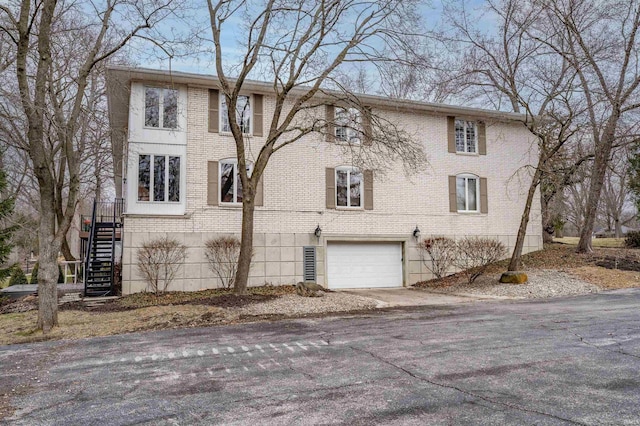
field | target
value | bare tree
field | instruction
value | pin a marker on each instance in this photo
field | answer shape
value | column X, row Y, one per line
column 599, row 41
column 616, row 197
column 301, row 46
column 52, row 97
column 511, row 69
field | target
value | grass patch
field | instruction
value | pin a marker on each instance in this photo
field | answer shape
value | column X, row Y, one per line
column 137, row 312
column 596, row 242
column 19, row 328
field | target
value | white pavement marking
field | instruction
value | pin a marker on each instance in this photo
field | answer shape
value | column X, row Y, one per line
column 262, row 366
column 258, row 347
column 185, row 354
column 138, row 359
column 288, row 347
column 154, row 357
column 245, row 368
column 172, row 355
column 215, row 351
column 274, row 348
column 246, row 349
column 275, row 362
column 200, row 353
column 230, row 349
column 301, row 345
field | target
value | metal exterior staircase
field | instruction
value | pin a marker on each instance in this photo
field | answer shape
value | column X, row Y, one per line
column 101, row 256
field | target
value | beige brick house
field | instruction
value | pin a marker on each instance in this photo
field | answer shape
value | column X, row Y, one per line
column 179, row 179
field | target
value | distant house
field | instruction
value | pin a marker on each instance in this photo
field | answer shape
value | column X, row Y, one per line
column 180, row 178
column 601, row 232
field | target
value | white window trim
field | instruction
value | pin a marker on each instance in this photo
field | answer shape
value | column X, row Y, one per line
column 349, row 169
column 233, row 161
column 160, row 108
column 221, row 100
column 152, row 178
column 353, row 135
column 475, row 133
column 466, row 177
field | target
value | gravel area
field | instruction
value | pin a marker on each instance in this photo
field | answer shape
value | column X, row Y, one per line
column 292, row 304
column 541, row 284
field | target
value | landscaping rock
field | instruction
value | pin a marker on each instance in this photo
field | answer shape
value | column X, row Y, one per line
column 514, row 277
column 310, row 289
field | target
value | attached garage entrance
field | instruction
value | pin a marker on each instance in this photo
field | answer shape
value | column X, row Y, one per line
column 364, row 265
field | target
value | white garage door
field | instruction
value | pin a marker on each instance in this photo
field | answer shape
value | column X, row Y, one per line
column 364, row 265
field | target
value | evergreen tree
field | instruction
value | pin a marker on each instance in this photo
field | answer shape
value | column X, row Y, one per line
column 6, row 209
column 17, row 276
column 634, row 177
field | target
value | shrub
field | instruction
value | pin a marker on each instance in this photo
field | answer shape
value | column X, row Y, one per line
column 632, row 240
column 474, row 254
column 34, row 274
column 159, row 261
column 441, row 252
column 17, row 276
column 222, row 254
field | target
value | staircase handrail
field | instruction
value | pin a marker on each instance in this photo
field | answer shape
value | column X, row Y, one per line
column 87, row 258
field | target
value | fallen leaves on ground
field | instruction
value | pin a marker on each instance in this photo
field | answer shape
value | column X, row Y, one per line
column 607, row 278
column 19, row 327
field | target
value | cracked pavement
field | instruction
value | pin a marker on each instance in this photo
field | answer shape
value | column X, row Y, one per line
column 561, row 361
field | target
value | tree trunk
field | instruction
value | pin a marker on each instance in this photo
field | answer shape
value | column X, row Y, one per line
column 547, row 220
column 246, row 245
column 618, row 227
column 514, row 264
column 66, row 250
column 599, row 171
column 48, row 267
column 600, row 163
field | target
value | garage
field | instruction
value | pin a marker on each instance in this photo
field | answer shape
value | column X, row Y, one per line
column 364, row 265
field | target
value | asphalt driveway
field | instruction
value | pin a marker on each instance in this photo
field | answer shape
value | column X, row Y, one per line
column 563, row 361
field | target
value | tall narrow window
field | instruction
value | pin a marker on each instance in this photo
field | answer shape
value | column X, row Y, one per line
column 348, row 187
column 466, row 136
column 161, row 108
column 230, row 183
column 151, row 107
column 162, row 173
column 467, row 193
column 347, row 125
column 174, row 178
column 144, row 177
column 243, row 114
column 158, row 178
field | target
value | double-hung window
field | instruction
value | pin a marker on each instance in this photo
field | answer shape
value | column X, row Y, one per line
column 348, row 187
column 158, row 178
column 230, row 183
column 467, row 192
column 160, row 108
column 243, row 114
column 466, row 136
column 347, row 126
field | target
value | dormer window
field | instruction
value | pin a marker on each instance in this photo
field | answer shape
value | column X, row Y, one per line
column 161, row 108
